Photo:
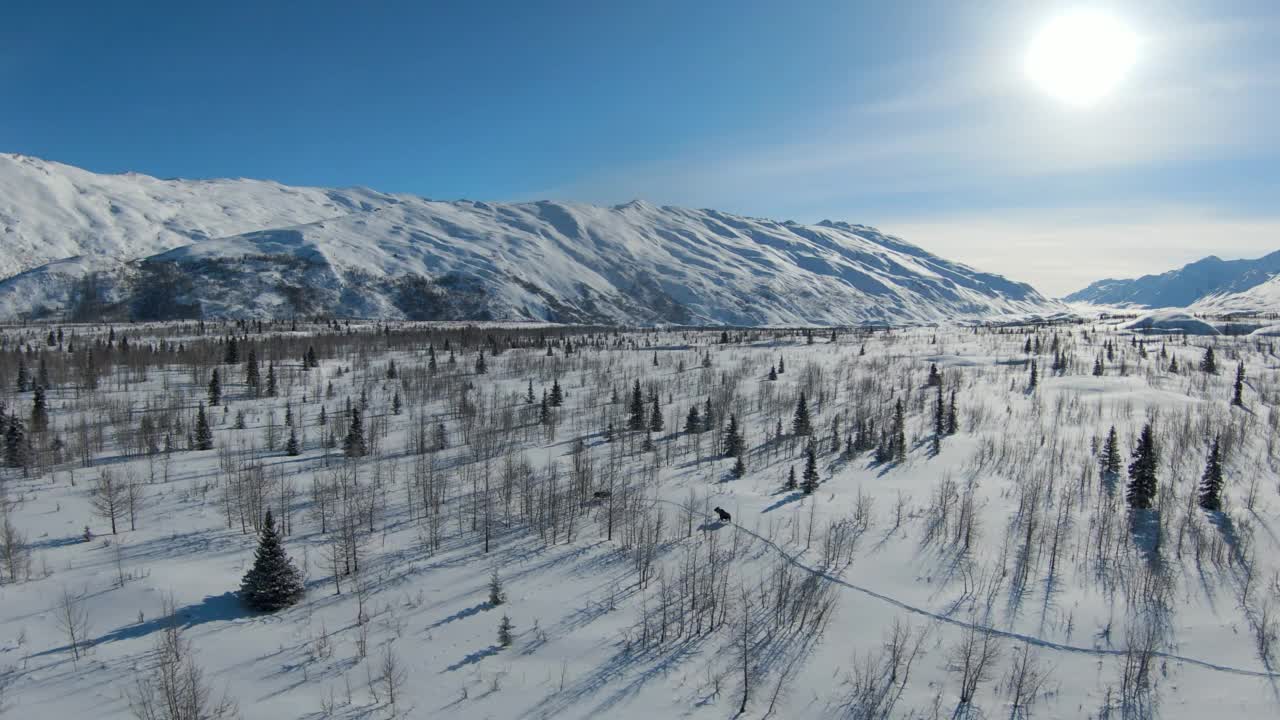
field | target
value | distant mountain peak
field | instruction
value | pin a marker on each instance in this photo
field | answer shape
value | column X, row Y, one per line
column 1207, row 277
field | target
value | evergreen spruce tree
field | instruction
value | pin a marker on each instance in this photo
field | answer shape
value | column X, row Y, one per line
column 739, row 468
column 505, row 629
column 215, row 388
column 935, row 379
column 17, row 447
column 557, row 395
column 782, row 366
column 42, row 374
column 1034, row 380
column 708, row 419
column 431, row 359
column 392, row 373
column 24, row 378
column 1211, row 481
column 232, row 355
column 529, row 396
column 732, row 438
column 898, row 436
column 656, row 422
column 1237, row 396
column 953, row 422
column 1142, row 471
column 1173, row 364
column 293, row 448
column 693, row 421
column 497, row 595
column 544, row 410
column 791, row 478
column 801, row 425
column 773, row 373
column 396, row 405
column 39, row 411
column 1109, row 462
column 636, row 419
column 1208, row 364
column 204, row 434
column 884, row 449
column 810, row 476
column 939, row 422
column 272, row 391
column 273, row 583
column 481, row 366
column 353, row 446
column 1098, row 369
column 251, row 373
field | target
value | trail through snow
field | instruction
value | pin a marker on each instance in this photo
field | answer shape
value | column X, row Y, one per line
column 1031, row 639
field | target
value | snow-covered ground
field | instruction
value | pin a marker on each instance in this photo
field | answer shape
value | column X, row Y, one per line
column 640, row 604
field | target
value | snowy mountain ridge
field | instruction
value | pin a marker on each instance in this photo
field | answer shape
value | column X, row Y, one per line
column 52, row 211
column 131, row 246
column 1186, row 286
column 1261, row 298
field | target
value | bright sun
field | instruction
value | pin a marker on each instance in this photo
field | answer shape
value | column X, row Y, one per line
column 1080, row 56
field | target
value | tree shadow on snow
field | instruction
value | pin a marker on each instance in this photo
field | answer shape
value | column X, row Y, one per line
column 1144, row 525
column 460, row 615
column 790, row 497
column 474, row 658
column 214, row 608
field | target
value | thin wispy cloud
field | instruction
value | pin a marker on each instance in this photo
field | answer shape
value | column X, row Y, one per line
column 944, row 128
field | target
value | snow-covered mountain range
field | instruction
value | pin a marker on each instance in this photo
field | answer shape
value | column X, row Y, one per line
column 79, row 244
column 1205, row 284
column 1261, row 298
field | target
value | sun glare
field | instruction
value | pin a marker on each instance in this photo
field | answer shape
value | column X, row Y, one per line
column 1081, row 56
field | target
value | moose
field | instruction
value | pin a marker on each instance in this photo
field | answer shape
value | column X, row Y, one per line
column 723, row 514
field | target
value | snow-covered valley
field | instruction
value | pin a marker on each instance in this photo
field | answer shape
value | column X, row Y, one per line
column 988, row 570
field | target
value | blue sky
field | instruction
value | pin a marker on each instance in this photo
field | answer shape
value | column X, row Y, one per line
column 914, row 116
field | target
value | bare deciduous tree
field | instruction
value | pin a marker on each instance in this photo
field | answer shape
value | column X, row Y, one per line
column 73, row 620
column 110, row 497
column 175, row 687
column 973, row 659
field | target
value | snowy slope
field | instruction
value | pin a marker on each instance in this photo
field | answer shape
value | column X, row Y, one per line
column 1264, row 298
column 1184, row 286
column 422, row 259
column 51, row 211
column 1171, row 321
